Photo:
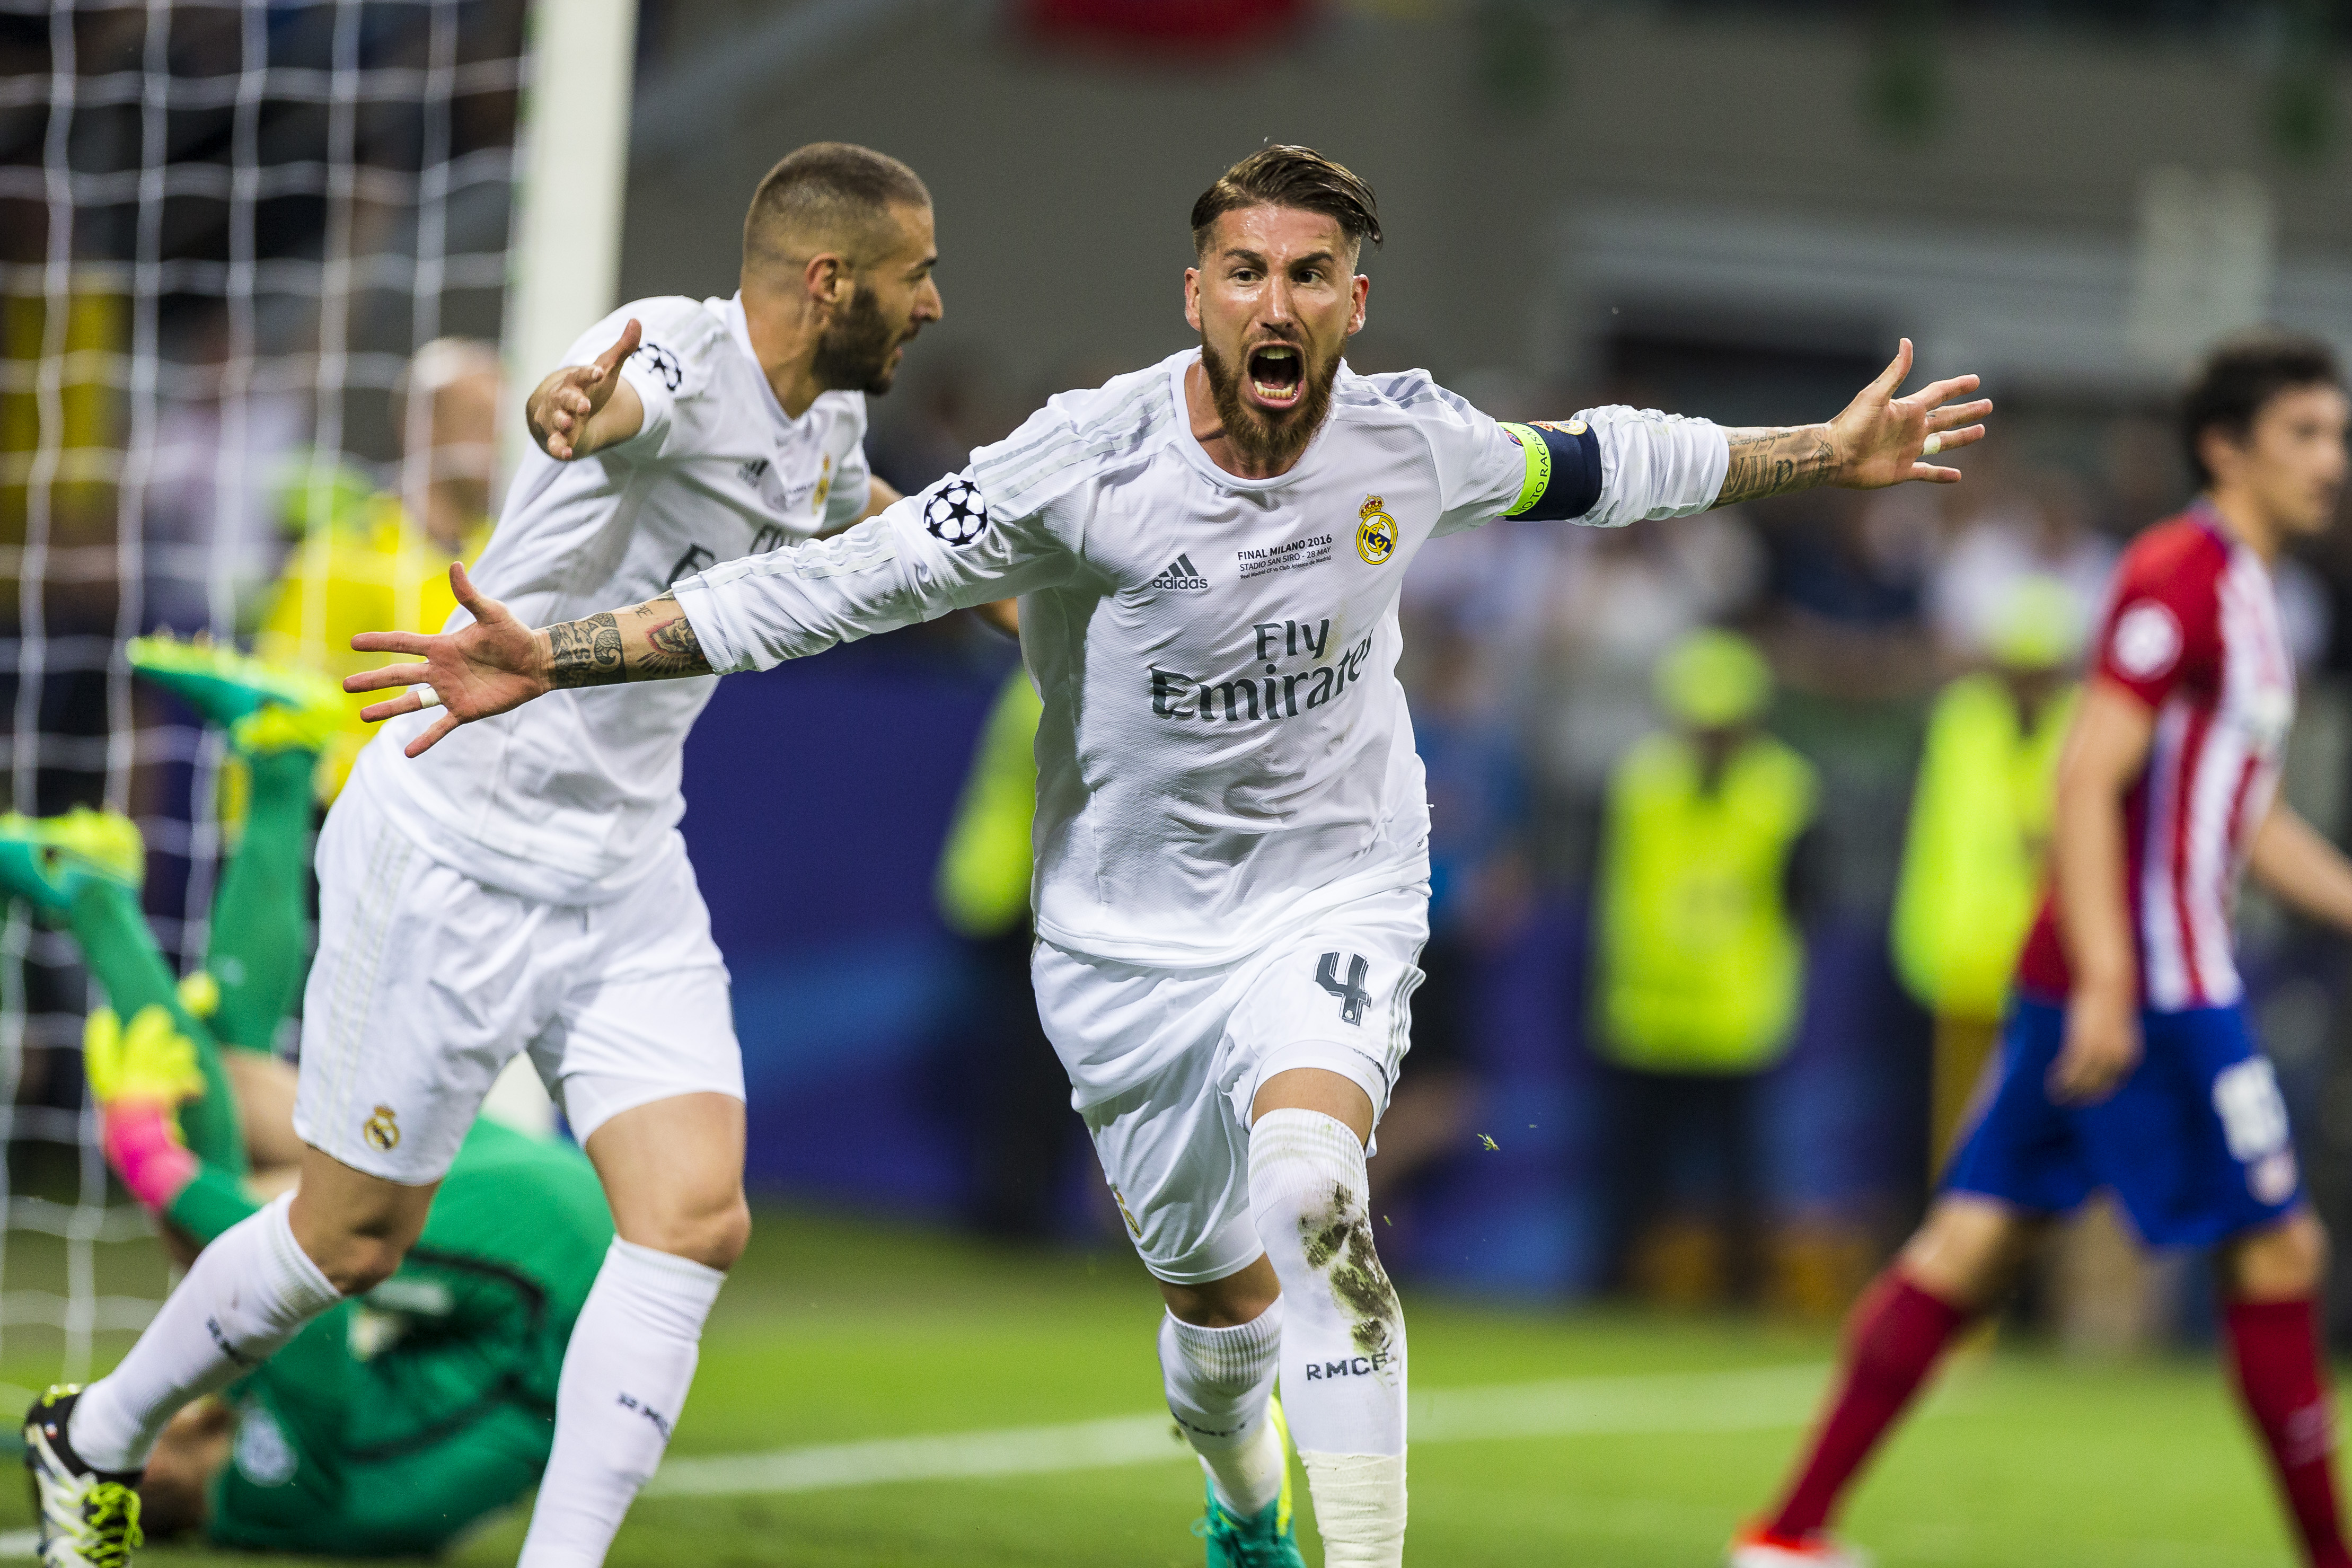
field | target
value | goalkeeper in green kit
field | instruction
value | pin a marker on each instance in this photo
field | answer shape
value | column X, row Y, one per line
column 397, row 1420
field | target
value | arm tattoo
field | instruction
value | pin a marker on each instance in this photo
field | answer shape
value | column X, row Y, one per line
column 585, row 653
column 1770, row 462
column 671, row 646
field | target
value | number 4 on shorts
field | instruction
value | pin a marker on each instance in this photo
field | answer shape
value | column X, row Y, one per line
column 1352, row 996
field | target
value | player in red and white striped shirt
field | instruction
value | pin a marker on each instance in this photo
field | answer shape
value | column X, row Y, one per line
column 2126, row 1062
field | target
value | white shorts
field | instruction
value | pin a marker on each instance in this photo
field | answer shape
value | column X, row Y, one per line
column 427, row 983
column 1173, row 1137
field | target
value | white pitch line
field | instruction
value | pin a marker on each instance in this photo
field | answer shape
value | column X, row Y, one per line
column 1755, row 1399
column 1761, row 1397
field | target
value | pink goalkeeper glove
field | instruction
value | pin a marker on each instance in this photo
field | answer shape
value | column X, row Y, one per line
column 143, row 1144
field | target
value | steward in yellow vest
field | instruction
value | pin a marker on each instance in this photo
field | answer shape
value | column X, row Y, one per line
column 1698, row 974
column 361, row 563
column 1974, row 855
column 1701, row 966
column 1021, row 1125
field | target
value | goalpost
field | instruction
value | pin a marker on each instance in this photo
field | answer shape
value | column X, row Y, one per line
column 225, row 227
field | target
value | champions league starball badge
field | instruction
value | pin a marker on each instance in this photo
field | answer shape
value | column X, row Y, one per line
column 955, row 512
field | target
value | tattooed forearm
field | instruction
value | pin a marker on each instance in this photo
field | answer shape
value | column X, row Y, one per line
column 1770, row 462
column 652, row 641
column 671, row 647
column 584, row 652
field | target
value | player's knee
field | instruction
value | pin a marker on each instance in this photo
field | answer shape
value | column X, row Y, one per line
column 1967, row 1251
column 713, row 1234
column 355, row 1264
column 2283, row 1262
column 1309, row 1200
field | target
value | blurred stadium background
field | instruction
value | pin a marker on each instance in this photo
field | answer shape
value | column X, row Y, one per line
column 225, row 228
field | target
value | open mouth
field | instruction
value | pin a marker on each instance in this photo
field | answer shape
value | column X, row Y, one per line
column 1277, row 375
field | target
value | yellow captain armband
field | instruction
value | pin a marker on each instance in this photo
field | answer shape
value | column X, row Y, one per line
column 1563, row 469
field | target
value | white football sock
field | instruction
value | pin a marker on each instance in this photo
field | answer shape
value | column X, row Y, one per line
column 624, row 1377
column 1218, row 1382
column 249, row 1292
column 1343, row 1346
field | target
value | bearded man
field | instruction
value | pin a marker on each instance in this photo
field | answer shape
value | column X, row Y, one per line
column 527, row 889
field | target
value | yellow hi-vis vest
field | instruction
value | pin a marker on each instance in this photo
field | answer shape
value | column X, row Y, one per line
column 1974, row 854
column 983, row 876
column 1701, row 968
column 369, row 569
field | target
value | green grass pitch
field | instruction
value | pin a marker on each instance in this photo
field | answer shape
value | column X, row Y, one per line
column 835, row 1333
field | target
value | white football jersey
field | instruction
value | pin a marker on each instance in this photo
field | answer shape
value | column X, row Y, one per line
column 564, row 799
column 1225, row 750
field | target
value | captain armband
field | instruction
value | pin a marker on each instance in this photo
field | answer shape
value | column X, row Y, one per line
column 1563, row 477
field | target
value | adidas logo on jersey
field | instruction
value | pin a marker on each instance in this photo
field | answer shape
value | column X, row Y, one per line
column 1180, row 575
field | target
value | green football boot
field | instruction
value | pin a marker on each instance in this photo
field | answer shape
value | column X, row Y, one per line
column 226, row 686
column 47, row 859
column 88, row 1519
column 1266, row 1539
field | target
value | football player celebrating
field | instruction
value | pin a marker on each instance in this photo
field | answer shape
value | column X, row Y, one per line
column 2126, row 1061
column 1231, row 864
column 527, row 889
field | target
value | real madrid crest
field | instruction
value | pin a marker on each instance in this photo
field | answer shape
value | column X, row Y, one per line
column 1376, row 533
column 381, row 1130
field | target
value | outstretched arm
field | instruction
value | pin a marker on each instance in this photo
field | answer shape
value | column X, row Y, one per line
column 1881, row 439
column 497, row 663
column 926, row 555
column 2302, row 869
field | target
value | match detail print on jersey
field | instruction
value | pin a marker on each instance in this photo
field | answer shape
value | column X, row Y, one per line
column 1563, row 479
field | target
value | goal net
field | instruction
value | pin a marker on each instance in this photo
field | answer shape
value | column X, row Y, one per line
column 225, row 228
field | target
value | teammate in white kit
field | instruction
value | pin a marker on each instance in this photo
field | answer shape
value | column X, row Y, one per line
column 525, row 888
column 1232, row 865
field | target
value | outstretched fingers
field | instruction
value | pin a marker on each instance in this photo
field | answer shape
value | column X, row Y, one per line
column 609, row 360
column 390, row 676
column 1896, row 369
column 1958, row 413
column 389, row 642
column 477, row 603
column 426, row 742
column 391, row 708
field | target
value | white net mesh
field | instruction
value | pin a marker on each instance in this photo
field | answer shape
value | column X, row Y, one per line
column 225, row 227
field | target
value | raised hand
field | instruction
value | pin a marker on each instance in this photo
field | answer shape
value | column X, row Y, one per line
column 1882, row 439
column 563, row 411
column 493, row 665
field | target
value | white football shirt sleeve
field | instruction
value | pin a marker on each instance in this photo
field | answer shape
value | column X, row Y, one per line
column 1655, row 465
column 1603, row 468
column 670, row 368
column 928, row 554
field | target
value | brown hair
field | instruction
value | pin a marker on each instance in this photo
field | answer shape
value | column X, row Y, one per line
column 2238, row 380
column 826, row 194
column 1283, row 176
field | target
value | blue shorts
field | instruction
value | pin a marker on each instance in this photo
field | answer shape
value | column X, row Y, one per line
column 2195, row 1142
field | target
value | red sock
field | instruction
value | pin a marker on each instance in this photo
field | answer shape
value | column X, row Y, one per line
column 1893, row 1341
column 2274, row 1349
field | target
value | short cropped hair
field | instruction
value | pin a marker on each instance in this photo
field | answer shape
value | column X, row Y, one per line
column 1282, row 177
column 2238, row 379
column 827, row 195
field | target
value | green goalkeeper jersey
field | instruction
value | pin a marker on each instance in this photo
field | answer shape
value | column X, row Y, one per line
column 399, row 1418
